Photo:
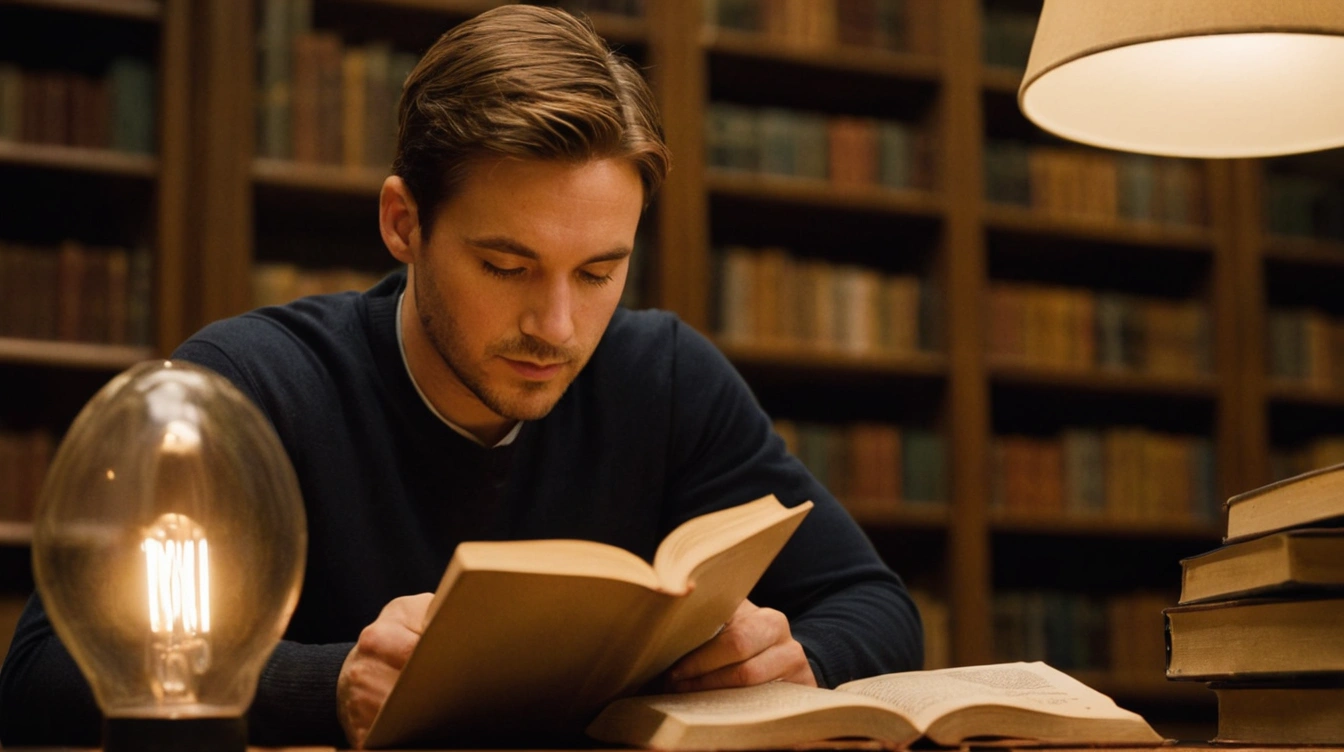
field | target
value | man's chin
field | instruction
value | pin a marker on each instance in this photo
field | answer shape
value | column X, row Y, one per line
column 530, row 405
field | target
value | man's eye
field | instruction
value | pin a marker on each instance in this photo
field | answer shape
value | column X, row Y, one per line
column 595, row 279
column 502, row 273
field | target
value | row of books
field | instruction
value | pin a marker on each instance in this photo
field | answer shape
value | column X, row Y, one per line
column 902, row 25
column 321, row 101
column 1304, row 205
column 1079, row 328
column 1258, row 618
column 871, row 466
column 1094, row 185
column 276, row 283
column 74, row 292
column 1321, row 451
column 768, row 296
column 1306, row 346
column 842, row 149
column 114, row 110
column 24, row 458
column 1006, row 36
column 1121, row 473
column 1118, row 634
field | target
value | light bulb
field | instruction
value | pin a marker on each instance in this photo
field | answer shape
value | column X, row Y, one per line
column 168, row 548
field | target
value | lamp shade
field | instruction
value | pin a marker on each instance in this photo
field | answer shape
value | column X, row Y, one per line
column 1190, row 78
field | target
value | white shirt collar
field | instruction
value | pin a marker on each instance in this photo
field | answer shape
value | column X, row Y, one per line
column 401, row 345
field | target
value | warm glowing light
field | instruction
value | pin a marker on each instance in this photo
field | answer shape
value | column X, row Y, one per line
column 111, row 474
column 177, row 574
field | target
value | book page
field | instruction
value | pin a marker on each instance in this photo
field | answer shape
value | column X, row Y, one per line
column 926, row 696
column 696, row 540
column 765, row 716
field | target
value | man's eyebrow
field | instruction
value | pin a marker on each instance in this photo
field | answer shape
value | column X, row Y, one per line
column 514, row 248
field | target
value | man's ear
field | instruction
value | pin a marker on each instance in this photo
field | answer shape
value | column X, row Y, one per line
column 399, row 220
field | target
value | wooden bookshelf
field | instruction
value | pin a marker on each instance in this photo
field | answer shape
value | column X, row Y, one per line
column 1014, row 522
column 928, row 517
column 1100, row 381
column 16, row 533
column 105, row 198
column 1305, row 251
column 1139, row 234
column 803, row 192
column 1299, row 393
column 852, row 60
column 318, row 178
column 82, row 355
column 73, row 159
column 144, row 10
column 813, row 359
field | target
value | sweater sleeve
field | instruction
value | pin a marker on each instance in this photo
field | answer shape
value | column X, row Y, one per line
column 295, row 703
column 851, row 613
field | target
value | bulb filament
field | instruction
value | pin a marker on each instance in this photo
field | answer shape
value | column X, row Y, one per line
column 177, row 569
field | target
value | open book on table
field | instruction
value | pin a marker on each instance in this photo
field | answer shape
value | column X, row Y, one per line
column 529, row 639
column 1029, row 703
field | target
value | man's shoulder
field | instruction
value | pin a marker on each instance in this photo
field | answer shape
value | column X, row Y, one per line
column 295, row 326
column 641, row 339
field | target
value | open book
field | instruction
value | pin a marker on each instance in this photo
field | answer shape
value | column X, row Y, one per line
column 548, row 631
column 1011, row 701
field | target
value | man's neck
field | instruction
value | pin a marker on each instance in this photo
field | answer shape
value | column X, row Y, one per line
column 445, row 394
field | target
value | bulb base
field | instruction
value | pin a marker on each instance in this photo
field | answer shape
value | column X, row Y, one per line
column 174, row 735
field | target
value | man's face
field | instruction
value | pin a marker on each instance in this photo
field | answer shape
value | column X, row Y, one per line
column 522, row 272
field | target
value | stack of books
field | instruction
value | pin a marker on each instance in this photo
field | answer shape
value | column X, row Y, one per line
column 1259, row 618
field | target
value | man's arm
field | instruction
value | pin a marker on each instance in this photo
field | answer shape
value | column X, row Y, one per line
column 847, row 610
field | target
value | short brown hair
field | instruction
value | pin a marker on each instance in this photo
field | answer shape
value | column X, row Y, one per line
column 521, row 81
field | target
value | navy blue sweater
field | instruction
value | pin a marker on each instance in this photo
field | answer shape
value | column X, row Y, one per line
column 657, row 429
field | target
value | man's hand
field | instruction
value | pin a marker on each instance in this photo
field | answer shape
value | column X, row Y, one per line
column 754, row 647
column 375, row 662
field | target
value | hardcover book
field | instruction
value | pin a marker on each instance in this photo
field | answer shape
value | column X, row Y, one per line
column 552, row 630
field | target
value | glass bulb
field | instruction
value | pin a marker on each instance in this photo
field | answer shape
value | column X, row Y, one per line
column 168, row 549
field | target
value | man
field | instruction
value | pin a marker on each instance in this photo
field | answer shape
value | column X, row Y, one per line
column 493, row 390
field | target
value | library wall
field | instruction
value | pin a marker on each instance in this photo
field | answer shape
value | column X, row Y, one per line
column 1032, row 370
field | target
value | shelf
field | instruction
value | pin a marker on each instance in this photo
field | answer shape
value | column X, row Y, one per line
column 1003, row 521
column 850, row 60
column 319, row 178
column 1306, row 251
column 819, row 193
column 1001, row 80
column 76, row 159
column 1025, row 221
column 1201, row 386
column 72, row 354
column 1142, row 688
column 615, row 27
column 885, row 515
column 1301, row 393
column 145, row 10
column 16, row 533
column 462, row 8
column 812, row 358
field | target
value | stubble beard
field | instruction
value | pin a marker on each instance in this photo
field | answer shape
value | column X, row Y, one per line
column 444, row 336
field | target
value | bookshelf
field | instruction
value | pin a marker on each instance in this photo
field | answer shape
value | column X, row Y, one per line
column 95, row 239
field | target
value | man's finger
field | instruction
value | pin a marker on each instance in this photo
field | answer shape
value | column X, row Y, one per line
column 772, row 664
column 740, row 639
